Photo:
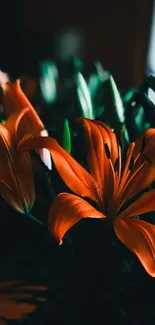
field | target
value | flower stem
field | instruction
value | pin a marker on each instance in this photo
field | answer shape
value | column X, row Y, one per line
column 29, row 215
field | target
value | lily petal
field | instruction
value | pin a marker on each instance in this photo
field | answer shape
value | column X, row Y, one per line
column 145, row 204
column 44, row 153
column 16, row 171
column 142, row 173
column 3, row 77
column 143, row 169
column 113, row 140
column 139, row 237
column 98, row 146
column 66, row 211
column 72, row 173
column 138, row 181
column 146, row 144
column 14, row 101
column 23, row 166
column 11, row 196
column 13, row 122
column 18, row 184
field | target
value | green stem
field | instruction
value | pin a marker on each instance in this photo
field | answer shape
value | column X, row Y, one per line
column 29, row 215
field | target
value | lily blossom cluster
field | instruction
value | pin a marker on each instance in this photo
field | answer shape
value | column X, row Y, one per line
column 112, row 186
column 111, row 183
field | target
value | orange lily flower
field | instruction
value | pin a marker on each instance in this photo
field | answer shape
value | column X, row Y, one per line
column 108, row 184
column 16, row 177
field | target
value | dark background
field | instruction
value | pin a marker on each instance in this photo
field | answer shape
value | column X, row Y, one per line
column 116, row 32
column 92, row 278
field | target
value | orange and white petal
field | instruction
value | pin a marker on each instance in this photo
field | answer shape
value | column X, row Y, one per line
column 3, row 77
column 44, row 153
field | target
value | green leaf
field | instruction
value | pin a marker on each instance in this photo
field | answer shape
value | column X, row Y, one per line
column 114, row 104
column 78, row 64
column 48, row 80
column 3, row 122
column 84, row 98
column 122, row 135
column 128, row 95
column 66, row 137
column 93, row 84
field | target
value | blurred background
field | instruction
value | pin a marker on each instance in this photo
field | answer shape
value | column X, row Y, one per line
column 62, row 52
column 117, row 33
